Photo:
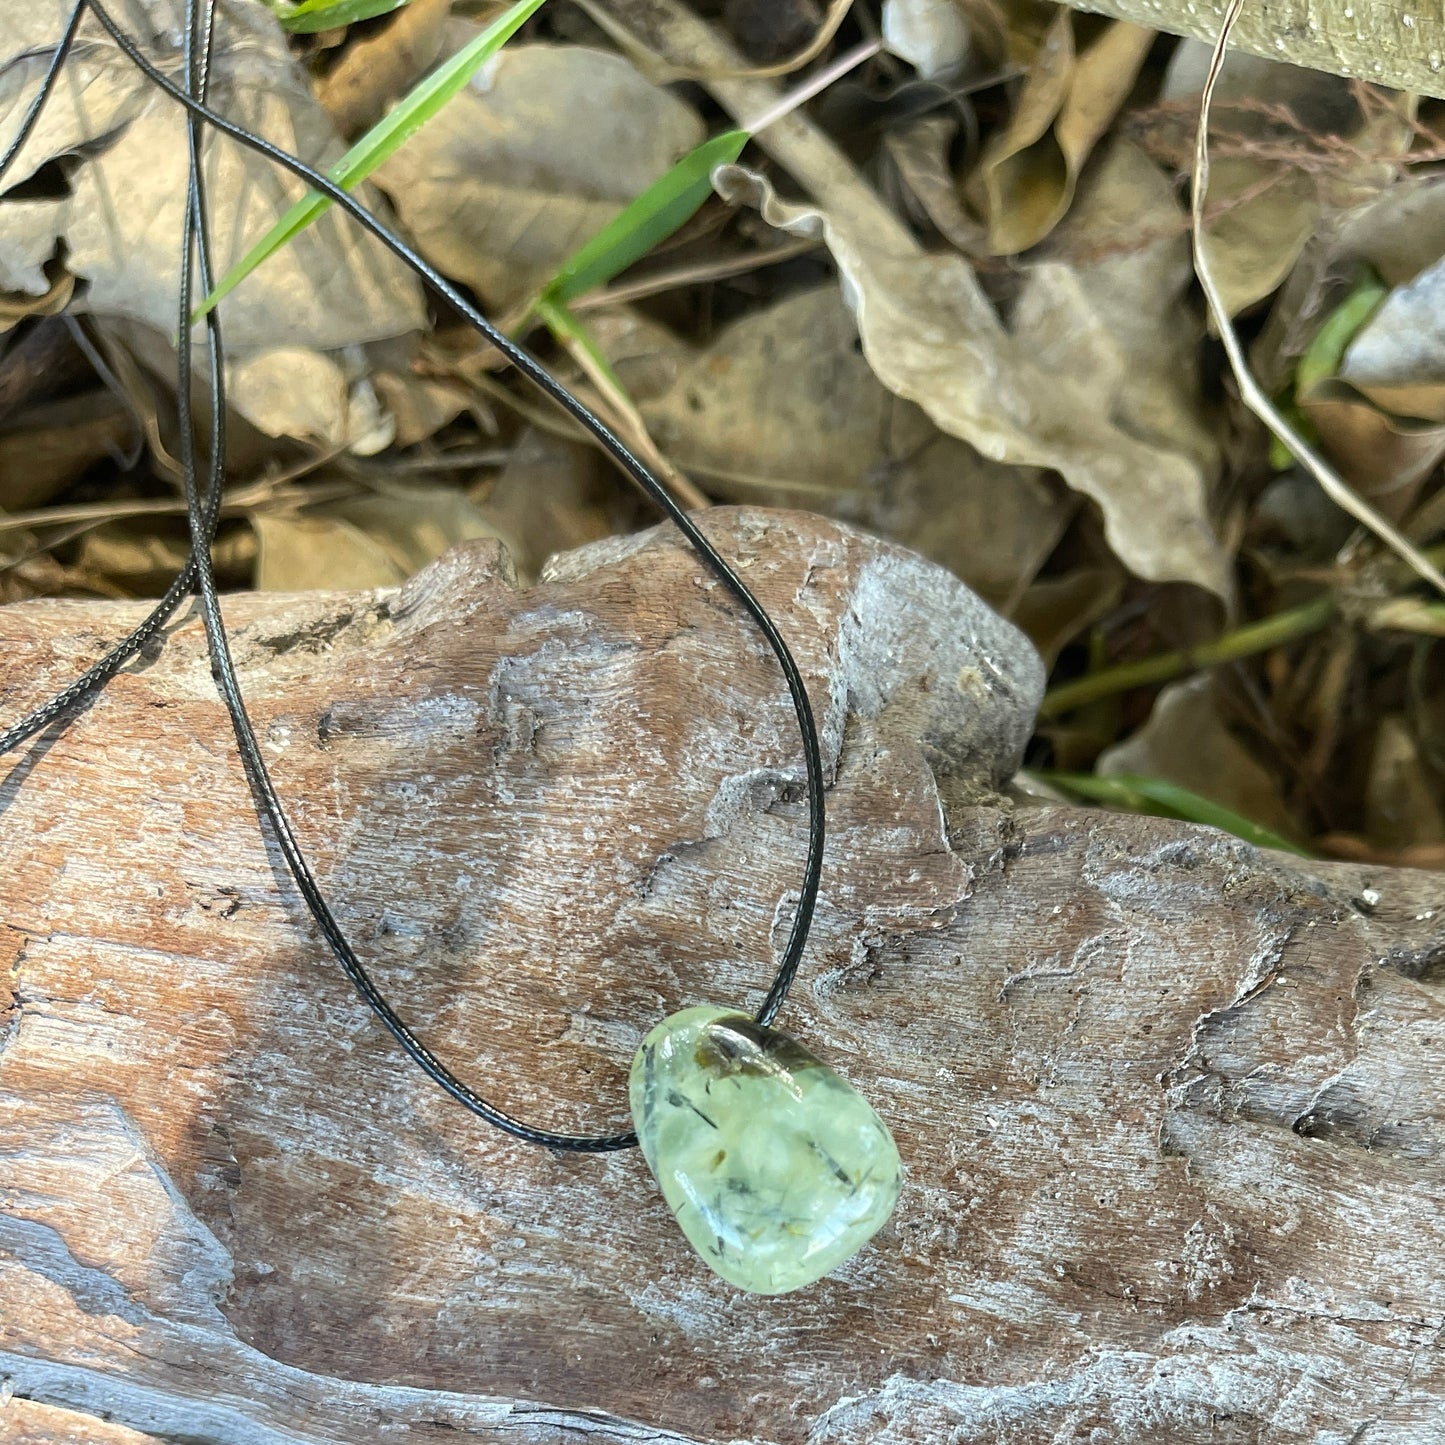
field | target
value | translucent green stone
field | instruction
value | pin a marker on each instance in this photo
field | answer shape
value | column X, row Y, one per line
column 775, row 1168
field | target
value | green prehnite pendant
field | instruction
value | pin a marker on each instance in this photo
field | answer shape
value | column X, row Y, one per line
column 776, row 1169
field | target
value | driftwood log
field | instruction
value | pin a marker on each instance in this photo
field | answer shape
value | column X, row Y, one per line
column 1170, row 1107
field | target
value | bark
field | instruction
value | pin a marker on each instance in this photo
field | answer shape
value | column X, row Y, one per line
column 1169, row 1106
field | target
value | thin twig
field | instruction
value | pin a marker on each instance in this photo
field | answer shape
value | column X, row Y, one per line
column 697, row 273
column 1252, row 394
column 242, row 499
column 623, row 416
column 801, row 94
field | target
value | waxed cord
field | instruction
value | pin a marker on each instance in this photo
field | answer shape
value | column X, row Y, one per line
column 203, row 509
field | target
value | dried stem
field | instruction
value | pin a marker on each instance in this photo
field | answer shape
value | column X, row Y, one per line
column 1250, row 391
column 1241, row 642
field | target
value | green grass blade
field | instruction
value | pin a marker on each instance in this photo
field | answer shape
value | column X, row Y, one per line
column 1141, row 794
column 313, row 15
column 565, row 326
column 1326, row 352
column 382, row 141
column 661, row 209
column 1323, row 357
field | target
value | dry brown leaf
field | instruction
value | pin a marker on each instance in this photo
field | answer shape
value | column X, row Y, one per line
column 15, row 306
column 782, row 409
column 553, row 495
column 1186, row 742
column 1402, row 810
column 1028, row 172
column 377, row 540
column 1056, row 610
column 1384, row 456
column 46, row 448
column 137, row 559
column 1046, row 399
column 920, row 151
column 379, row 67
column 1399, row 233
column 544, row 147
column 1109, row 295
column 142, row 362
column 293, row 392
column 419, row 406
column 121, row 222
column 1264, row 206
column 306, row 552
column 1401, row 348
column 1253, row 395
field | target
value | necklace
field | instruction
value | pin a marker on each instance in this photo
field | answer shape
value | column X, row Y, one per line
column 775, row 1168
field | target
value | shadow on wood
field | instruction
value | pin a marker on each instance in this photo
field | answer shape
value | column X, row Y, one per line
column 1169, row 1107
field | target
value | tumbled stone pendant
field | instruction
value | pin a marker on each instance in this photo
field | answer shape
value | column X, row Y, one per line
column 776, row 1169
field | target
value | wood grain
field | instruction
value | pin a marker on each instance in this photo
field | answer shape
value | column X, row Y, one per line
column 1169, row 1107
column 1386, row 42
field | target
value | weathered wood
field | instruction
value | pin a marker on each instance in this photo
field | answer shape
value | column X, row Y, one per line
column 1386, row 42
column 1170, row 1107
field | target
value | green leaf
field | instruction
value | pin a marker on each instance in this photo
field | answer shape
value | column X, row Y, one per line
column 382, row 141
column 313, row 15
column 1139, row 794
column 660, row 210
column 564, row 325
column 1323, row 356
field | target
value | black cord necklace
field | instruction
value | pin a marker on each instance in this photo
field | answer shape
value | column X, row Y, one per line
column 736, row 1119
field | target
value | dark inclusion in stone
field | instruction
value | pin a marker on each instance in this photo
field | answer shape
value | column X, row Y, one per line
column 776, row 1169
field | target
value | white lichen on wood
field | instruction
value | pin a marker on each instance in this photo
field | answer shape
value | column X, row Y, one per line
column 1169, row 1107
column 1387, row 42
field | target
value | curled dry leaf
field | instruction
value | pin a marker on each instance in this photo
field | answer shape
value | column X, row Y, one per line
column 15, row 306
column 1380, row 416
column 1398, row 234
column 292, row 392
column 142, row 362
column 1401, row 233
column 1385, row 456
column 920, row 151
column 417, row 405
column 1290, row 148
column 120, row 219
column 931, row 35
column 782, row 409
column 543, row 148
column 1109, row 291
column 1043, row 396
column 1398, row 356
column 46, row 448
column 1028, row 173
